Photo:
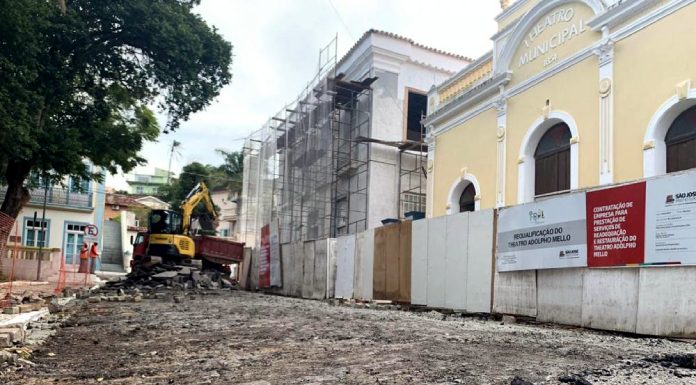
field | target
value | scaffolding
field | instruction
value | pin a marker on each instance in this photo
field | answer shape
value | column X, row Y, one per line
column 304, row 168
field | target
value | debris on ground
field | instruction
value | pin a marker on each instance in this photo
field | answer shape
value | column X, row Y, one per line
column 154, row 275
column 238, row 337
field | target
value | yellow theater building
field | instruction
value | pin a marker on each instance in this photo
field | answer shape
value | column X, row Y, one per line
column 574, row 94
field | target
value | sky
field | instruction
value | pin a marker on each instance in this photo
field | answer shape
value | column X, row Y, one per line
column 276, row 52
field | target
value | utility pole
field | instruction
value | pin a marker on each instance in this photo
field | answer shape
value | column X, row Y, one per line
column 175, row 144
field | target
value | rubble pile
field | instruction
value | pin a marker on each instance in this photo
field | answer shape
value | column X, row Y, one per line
column 147, row 279
column 27, row 302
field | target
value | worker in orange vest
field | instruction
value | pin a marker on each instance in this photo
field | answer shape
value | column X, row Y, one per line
column 84, row 259
column 94, row 254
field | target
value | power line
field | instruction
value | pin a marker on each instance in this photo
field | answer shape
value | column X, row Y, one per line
column 345, row 25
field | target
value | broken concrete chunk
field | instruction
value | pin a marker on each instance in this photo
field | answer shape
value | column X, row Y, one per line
column 166, row 275
column 11, row 310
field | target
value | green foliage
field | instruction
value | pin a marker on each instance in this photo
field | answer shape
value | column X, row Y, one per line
column 76, row 83
column 231, row 170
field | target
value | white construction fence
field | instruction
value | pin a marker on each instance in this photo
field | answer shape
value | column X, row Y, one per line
column 619, row 258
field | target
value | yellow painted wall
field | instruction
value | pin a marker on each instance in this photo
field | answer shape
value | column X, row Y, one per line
column 471, row 145
column 647, row 67
column 573, row 91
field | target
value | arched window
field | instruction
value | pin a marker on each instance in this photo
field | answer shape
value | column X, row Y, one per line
column 467, row 201
column 552, row 161
column 681, row 142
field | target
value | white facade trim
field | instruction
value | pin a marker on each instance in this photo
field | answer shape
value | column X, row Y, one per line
column 526, row 165
column 654, row 147
column 511, row 9
column 619, row 13
column 457, row 189
column 581, row 55
column 528, row 20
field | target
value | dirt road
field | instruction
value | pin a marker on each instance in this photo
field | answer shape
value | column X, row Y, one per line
column 238, row 337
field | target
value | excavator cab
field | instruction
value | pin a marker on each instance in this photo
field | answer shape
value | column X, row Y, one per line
column 164, row 222
column 170, row 231
column 166, row 238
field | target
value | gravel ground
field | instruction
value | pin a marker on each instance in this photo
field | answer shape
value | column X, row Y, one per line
column 232, row 337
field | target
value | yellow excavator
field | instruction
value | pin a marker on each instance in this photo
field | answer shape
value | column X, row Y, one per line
column 169, row 232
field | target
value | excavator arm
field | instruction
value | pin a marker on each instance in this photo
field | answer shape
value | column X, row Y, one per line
column 198, row 194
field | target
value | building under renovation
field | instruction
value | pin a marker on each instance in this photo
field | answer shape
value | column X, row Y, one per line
column 348, row 152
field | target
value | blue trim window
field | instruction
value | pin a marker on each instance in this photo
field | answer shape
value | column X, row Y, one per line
column 36, row 232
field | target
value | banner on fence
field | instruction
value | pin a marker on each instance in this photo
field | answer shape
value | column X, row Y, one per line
column 274, row 255
column 542, row 235
column 616, row 225
column 671, row 220
column 265, row 258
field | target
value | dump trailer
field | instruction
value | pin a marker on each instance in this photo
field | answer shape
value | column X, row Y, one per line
column 215, row 252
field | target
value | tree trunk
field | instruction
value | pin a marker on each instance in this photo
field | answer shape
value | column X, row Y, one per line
column 17, row 195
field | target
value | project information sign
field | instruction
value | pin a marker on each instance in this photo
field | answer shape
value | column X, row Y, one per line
column 616, row 225
column 265, row 258
column 543, row 235
column 671, row 220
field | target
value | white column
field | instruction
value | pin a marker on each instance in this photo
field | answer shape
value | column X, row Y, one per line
column 501, row 134
column 430, row 140
column 605, row 54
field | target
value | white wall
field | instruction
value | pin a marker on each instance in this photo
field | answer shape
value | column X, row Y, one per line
column 345, row 266
column 452, row 262
column 56, row 219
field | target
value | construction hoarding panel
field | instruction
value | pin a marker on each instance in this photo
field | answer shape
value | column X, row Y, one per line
column 392, row 262
column 264, row 262
column 670, row 222
column 274, row 255
column 543, row 235
column 616, row 225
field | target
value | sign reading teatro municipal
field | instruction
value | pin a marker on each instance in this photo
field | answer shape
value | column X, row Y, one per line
column 555, row 36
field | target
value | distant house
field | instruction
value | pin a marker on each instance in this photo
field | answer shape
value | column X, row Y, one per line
column 227, row 216
column 145, row 184
column 153, row 203
column 115, row 203
column 70, row 208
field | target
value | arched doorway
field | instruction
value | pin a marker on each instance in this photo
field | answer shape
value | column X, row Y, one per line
column 464, row 195
column 681, row 142
column 552, row 161
column 467, row 201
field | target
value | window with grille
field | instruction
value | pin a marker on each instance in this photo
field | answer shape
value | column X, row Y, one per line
column 412, row 202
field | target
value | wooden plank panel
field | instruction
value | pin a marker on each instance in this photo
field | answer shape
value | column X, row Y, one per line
column 379, row 288
column 405, row 262
column 392, row 261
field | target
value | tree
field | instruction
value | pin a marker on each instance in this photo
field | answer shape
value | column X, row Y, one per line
column 232, row 169
column 77, row 77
